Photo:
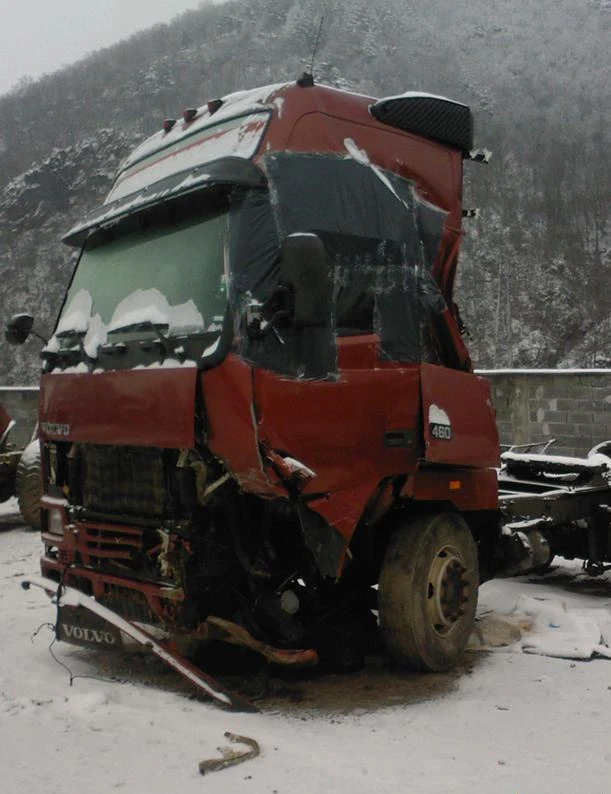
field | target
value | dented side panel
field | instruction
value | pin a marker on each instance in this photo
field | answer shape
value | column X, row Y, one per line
column 360, row 428
column 231, row 424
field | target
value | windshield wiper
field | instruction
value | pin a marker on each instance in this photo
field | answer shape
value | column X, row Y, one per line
column 143, row 325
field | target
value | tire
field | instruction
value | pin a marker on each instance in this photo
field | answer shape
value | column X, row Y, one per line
column 428, row 592
column 28, row 484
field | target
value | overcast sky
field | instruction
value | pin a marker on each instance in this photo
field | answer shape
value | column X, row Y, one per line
column 38, row 36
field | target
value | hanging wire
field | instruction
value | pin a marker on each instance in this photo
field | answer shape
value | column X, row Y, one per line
column 55, row 628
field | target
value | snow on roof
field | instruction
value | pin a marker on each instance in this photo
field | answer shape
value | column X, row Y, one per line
column 420, row 95
column 558, row 371
column 237, row 104
column 235, row 137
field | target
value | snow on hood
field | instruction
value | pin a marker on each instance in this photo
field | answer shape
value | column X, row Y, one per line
column 96, row 335
column 151, row 306
column 76, row 317
column 141, row 306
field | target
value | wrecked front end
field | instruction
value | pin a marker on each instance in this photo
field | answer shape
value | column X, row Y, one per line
column 212, row 437
column 232, row 398
column 164, row 536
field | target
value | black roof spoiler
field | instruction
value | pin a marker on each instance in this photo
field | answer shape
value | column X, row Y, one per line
column 435, row 117
column 226, row 171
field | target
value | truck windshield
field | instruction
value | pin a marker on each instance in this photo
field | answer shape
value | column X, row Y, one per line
column 162, row 274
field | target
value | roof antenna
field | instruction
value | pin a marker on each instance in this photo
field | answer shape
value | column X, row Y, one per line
column 322, row 19
column 307, row 78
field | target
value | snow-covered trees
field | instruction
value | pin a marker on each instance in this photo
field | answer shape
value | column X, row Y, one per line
column 536, row 264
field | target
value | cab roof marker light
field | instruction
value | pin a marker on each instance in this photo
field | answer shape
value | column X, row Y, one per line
column 189, row 114
column 168, row 124
column 214, row 105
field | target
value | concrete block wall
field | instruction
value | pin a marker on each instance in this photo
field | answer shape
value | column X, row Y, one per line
column 571, row 406
column 22, row 405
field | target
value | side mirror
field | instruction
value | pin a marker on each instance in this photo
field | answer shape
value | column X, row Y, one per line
column 18, row 328
column 304, row 269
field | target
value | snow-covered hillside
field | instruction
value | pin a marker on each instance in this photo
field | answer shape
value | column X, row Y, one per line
column 536, row 264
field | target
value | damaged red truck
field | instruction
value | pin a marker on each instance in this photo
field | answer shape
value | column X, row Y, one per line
column 258, row 419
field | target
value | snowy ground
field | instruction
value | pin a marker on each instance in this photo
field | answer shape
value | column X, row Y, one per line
column 512, row 722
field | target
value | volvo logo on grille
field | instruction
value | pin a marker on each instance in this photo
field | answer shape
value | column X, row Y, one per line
column 55, row 429
column 82, row 634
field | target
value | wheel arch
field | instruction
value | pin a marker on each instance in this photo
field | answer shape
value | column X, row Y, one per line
column 371, row 539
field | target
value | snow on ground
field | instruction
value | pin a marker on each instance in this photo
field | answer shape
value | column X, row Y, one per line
column 515, row 722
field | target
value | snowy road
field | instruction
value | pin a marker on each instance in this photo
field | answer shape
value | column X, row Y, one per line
column 513, row 722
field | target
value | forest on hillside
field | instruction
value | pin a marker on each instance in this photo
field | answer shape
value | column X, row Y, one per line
column 536, row 261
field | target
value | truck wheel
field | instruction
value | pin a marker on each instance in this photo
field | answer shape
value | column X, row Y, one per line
column 28, row 484
column 428, row 592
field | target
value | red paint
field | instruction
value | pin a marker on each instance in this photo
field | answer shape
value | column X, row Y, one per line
column 465, row 399
column 337, row 428
column 153, row 407
column 343, row 509
column 478, row 489
column 232, row 431
column 320, row 119
column 5, row 421
column 364, row 434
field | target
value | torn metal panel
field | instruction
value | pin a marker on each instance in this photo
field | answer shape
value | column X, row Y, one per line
column 382, row 241
column 231, row 757
column 68, row 596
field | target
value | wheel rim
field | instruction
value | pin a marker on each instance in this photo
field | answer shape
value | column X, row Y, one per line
column 448, row 590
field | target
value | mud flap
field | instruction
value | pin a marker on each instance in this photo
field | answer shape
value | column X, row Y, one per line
column 79, row 626
column 109, row 626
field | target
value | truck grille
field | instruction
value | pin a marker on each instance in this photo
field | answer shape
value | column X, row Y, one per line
column 117, row 549
column 123, row 480
column 99, row 544
column 130, row 604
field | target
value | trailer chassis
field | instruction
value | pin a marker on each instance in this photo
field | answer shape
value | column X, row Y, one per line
column 558, row 505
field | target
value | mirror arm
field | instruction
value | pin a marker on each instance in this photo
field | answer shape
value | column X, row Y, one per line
column 38, row 336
